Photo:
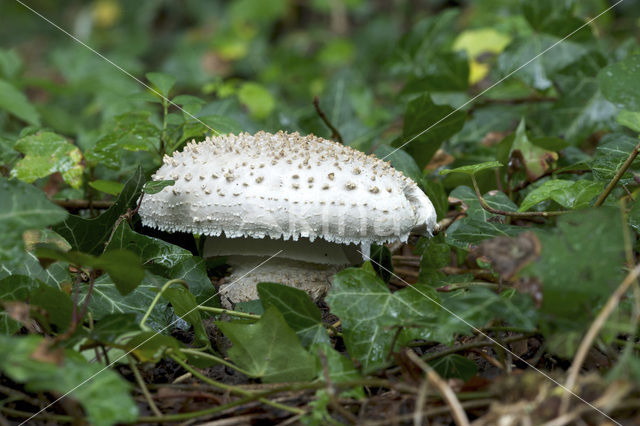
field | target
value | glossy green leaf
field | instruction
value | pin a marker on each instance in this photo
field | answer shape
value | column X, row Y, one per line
column 103, row 393
column 268, row 349
column 47, row 153
column 56, row 303
column 619, row 83
column 16, row 103
column 298, row 310
column 569, row 194
column 340, row 367
column 472, row 169
column 630, row 119
column 427, row 126
column 149, row 346
column 371, row 314
column 90, row 235
column 468, row 232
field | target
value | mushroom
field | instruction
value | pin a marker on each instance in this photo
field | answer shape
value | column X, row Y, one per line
column 316, row 203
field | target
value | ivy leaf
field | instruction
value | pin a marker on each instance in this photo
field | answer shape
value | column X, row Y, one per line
column 268, row 349
column 340, row 367
column 217, row 124
column 569, row 194
column 495, row 199
column 455, row 366
column 401, row 161
column 103, row 394
column 619, row 83
column 149, row 346
column 472, row 169
column 13, row 101
column 14, row 288
column 630, row 119
column 613, row 150
column 23, row 207
column 298, row 310
column 166, row 260
column 421, row 114
column 90, row 235
column 47, row 153
column 467, row 232
column 370, row 313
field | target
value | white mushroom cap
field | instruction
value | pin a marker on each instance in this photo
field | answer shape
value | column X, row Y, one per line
column 287, row 186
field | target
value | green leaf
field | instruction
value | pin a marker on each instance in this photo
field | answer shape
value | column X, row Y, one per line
column 13, row 101
column 90, row 235
column 57, row 303
column 447, row 72
column 112, row 327
column 23, row 207
column 14, row 288
column 591, row 242
column 123, row 266
column 341, row 368
column 495, row 199
column 216, row 124
column 472, row 169
column 257, row 98
column 155, row 186
column 268, row 349
column 455, row 366
column 298, row 310
column 107, row 186
column 162, row 82
column 185, row 306
column 166, row 260
column 47, row 153
column 371, row 314
column 569, row 194
column 467, row 232
column 131, row 131
column 613, row 150
column 630, row 119
column 102, row 392
column 421, row 114
column 619, row 83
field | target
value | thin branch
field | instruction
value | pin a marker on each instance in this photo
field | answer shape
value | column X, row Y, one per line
column 623, row 169
column 448, row 394
column 520, row 215
column 335, row 134
column 588, row 339
column 221, row 311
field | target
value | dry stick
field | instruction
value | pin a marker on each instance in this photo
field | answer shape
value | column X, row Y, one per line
column 143, row 387
column 421, row 399
column 588, row 339
column 335, row 134
column 521, row 215
column 618, row 176
column 449, row 396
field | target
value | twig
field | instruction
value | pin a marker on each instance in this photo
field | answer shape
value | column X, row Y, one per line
column 143, row 387
column 331, row 391
column 449, row 396
column 335, row 134
column 490, row 209
column 421, row 398
column 623, row 169
column 588, row 339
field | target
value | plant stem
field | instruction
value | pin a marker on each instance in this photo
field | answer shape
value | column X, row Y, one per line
column 221, row 311
column 143, row 387
column 490, row 209
column 623, row 169
column 335, row 134
column 234, row 389
column 214, row 358
column 158, row 296
column 165, row 110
